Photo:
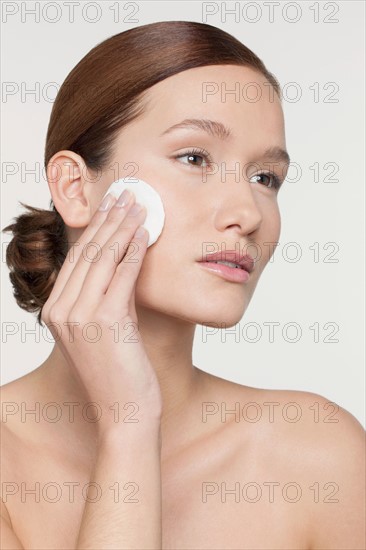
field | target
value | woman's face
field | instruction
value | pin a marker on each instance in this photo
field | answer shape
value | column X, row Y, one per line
column 212, row 203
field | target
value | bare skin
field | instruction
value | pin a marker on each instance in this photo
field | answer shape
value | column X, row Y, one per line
column 220, row 450
column 199, row 449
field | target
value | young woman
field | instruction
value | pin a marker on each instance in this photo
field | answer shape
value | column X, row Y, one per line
column 145, row 452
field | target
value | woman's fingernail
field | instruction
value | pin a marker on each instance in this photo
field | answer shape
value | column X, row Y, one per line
column 124, row 198
column 107, row 202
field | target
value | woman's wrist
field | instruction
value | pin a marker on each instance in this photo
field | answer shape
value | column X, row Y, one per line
column 143, row 432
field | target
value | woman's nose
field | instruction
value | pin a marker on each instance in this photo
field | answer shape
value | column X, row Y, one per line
column 238, row 207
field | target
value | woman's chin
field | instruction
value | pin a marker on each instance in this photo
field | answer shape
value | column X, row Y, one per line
column 225, row 317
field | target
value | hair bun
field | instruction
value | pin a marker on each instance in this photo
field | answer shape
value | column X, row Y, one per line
column 35, row 256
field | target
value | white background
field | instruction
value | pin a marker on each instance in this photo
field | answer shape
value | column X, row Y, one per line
column 317, row 46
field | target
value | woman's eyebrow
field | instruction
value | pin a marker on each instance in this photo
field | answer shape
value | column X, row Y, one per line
column 212, row 127
column 276, row 154
column 219, row 130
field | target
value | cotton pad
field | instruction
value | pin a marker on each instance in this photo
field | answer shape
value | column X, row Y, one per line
column 148, row 197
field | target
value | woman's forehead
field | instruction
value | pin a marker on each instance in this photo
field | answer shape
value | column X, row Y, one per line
column 203, row 88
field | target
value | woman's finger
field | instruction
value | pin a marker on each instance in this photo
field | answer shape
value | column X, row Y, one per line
column 101, row 272
column 74, row 253
column 73, row 279
column 124, row 280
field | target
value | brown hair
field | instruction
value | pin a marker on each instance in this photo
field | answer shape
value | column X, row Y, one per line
column 101, row 95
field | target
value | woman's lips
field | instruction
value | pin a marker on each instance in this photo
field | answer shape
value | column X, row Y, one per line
column 245, row 261
column 238, row 274
column 234, row 274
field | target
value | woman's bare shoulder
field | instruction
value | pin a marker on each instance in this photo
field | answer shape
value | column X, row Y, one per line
column 304, row 418
column 306, row 439
column 16, row 397
column 21, row 409
column 311, row 412
column 23, row 387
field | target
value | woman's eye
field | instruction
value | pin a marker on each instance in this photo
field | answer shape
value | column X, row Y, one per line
column 195, row 158
column 271, row 180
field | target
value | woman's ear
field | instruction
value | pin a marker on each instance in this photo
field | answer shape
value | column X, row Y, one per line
column 67, row 176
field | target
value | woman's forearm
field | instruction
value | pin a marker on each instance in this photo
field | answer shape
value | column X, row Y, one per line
column 127, row 475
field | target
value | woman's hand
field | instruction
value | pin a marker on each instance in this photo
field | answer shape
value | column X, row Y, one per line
column 91, row 314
